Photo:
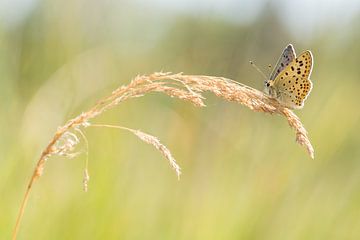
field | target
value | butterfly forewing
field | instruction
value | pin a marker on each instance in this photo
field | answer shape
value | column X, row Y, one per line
column 286, row 57
column 303, row 64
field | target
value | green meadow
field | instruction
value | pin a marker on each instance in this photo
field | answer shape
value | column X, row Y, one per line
column 243, row 174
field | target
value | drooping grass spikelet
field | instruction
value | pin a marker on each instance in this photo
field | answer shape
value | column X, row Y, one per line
column 149, row 139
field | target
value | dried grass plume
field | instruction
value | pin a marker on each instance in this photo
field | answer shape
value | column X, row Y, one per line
column 184, row 87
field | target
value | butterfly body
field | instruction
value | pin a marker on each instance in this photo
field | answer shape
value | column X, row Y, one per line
column 289, row 82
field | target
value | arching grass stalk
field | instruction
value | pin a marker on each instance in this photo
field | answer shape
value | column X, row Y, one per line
column 184, row 87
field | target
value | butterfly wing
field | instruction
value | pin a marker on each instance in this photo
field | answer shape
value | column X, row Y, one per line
column 304, row 64
column 286, row 57
column 294, row 92
column 293, row 85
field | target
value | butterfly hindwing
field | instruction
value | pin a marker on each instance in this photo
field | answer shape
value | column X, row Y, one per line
column 292, row 91
column 286, row 57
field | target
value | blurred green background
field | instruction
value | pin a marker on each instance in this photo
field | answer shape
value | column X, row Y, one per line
column 244, row 177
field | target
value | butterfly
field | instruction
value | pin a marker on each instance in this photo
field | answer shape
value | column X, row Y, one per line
column 289, row 82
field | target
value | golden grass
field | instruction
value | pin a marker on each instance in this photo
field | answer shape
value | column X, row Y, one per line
column 185, row 87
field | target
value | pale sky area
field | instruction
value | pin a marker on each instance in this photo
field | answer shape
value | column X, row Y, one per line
column 302, row 17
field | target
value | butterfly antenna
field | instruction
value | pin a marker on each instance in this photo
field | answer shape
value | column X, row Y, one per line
column 258, row 69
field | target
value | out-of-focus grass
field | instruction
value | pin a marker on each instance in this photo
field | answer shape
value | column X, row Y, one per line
column 243, row 175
